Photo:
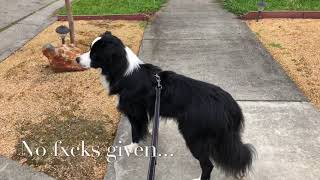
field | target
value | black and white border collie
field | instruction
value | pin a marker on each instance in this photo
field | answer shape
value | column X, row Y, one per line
column 209, row 119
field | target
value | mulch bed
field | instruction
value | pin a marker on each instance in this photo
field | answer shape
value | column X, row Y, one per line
column 294, row 44
column 40, row 106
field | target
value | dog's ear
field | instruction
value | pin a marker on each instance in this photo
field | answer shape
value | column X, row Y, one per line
column 107, row 33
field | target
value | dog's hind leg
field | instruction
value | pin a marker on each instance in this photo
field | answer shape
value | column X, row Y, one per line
column 206, row 166
column 200, row 152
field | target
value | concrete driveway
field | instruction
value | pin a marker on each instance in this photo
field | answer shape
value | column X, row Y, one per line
column 21, row 20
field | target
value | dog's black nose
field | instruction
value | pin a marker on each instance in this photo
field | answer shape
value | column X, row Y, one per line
column 78, row 60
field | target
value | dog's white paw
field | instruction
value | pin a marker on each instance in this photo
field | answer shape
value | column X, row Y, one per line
column 150, row 127
column 150, row 130
column 199, row 178
column 131, row 147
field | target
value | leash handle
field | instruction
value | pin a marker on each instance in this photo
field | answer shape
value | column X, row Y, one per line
column 155, row 131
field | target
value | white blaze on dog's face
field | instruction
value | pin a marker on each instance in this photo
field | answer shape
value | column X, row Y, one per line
column 108, row 53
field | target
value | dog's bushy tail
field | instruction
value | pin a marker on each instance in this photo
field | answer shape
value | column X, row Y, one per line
column 232, row 156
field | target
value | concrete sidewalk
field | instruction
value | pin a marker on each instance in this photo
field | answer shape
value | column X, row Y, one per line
column 200, row 39
column 21, row 20
column 10, row 170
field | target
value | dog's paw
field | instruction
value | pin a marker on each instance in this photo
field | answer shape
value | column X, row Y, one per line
column 199, row 178
column 150, row 130
column 131, row 147
column 150, row 127
column 239, row 176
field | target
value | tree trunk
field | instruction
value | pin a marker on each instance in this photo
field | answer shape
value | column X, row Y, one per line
column 71, row 22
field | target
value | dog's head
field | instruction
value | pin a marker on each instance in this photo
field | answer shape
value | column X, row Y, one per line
column 106, row 52
column 111, row 55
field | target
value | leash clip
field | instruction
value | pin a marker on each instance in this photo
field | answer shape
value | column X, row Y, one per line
column 159, row 86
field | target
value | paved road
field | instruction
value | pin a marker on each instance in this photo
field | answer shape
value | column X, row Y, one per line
column 21, row 20
column 15, row 10
column 200, row 39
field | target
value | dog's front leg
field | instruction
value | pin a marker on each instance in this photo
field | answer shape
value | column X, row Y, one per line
column 138, row 130
column 136, row 137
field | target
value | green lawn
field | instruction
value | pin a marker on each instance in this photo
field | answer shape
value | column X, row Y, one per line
column 244, row 6
column 104, row 7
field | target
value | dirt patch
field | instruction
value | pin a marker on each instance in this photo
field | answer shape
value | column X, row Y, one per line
column 58, row 137
column 294, row 43
column 40, row 106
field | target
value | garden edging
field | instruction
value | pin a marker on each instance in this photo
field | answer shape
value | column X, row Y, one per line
column 134, row 17
column 282, row 14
